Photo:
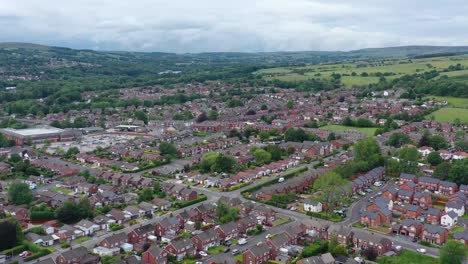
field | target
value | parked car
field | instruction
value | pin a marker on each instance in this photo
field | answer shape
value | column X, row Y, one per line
column 226, row 250
column 25, row 254
column 242, row 241
column 235, row 251
column 421, row 250
column 228, row 243
column 203, row 253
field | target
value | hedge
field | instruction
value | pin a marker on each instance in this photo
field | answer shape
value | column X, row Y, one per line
column 42, row 215
column 41, row 253
column 273, row 181
column 14, row 251
column 237, row 186
column 202, row 198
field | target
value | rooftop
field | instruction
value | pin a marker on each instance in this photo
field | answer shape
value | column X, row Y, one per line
column 45, row 130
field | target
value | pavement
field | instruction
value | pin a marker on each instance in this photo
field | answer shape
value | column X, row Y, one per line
column 213, row 196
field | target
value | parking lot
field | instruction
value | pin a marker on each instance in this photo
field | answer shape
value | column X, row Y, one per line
column 90, row 142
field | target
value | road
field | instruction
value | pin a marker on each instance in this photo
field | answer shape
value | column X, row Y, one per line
column 213, row 196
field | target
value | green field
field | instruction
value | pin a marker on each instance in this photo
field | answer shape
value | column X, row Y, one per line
column 409, row 257
column 351, row 72
column 449, row 114
column 366, row 130
column 453, row 101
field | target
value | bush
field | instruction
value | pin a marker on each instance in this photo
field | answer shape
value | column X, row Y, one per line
column 42, row 215
column 14, row 251
column 425, row 243
column 237, row 186
column 41, row 253
column 64, row 245
column 201, row 198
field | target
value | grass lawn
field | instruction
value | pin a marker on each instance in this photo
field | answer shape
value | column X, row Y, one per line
column 457, row 229
column 453, row 101
column 216, row 250
column 240, row 258
column 410, row 257
column 465, row 216
column 283, row 220
column 81, row 239
column 61, row 190
column 449, row 114
column 366, row 130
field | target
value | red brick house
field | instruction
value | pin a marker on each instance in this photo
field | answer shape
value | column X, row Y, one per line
column 413, row 211
column 114, row 241
column 447, row 188
column 363, row 240
column 180, row 248
column 227, row 231
column 390, row 193
column 206, row 239
column 405, row 177
column 422, row 199
column 154, row 255
column 247, row 223
column 411, row 228
column 428, row 183
column 77, row 255
column 258, row 254
column 140, row 234
column 405, row 196
column 434, row 234
column 169, row 225
column 433, row 216
column 373, row 218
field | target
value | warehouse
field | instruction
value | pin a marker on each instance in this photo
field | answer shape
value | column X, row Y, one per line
column 39, row 134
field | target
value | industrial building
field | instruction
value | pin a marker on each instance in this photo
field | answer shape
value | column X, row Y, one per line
column 40, row 134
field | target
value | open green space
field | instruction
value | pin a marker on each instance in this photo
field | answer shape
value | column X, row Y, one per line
column 409, row 257
column 282, row 220
column 453, row 101
column 449, row 114
column 364, row 73
column 366, row 130
column 61, row 190
column 216, row 250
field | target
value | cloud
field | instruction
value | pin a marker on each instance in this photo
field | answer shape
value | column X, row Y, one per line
column 241, row 25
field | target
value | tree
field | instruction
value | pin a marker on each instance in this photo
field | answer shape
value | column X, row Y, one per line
column 201, row 117
column 69, row 213
column 213, row 115
column 261, row 156
column 398, row 139
column 140, row 115
column 437, row 142
column 331, row 136
column 424, row 141
column 290, row 104
column 458, row 171
column 442, row 171
column 409, row 154
column 224, row 163
column 332, row 185
column 20, row 193
column 71, row 152
column 453, row 252
column 225, row 213
column 11, row 234
column 368, row 151
column 145, row 195
column 264, row 135
column 166, row 148
column 370, row 253
column 434, row 158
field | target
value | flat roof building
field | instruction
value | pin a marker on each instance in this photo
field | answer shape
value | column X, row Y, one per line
column 38, row 134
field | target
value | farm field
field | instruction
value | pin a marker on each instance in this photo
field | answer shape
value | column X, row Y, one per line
column 449, row 114
column 362, row 73
column 366, row 130
column 453, row 101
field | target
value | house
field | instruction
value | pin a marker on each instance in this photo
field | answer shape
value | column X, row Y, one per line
column 247, row 223
column 422, row 199
column 464, row 189
column 117, row 215
column 424, row 151
column 187, row 195
column 408, row 186
column 227, row 231
column 114, row 241
column 154, row 255
column 373, row 218
column 433, row 216
column 326, row 258
column 87, row 227
column 363, row 240
column 413, row 211
column 312, row 206
column 405, row 196
column 428, row 183
column 434, row 234
column 449, row 219
column 405, row 177
column 77, row 255
column 103, row 222
column 161, row 204
column 180, row 248
column 457, row 207
column 206, row 239
column 390, row 193
column 462, row 237
column 411, row 228
column 46, row 241
column 281, row 240
column 258, row 254
column 140, row 234
column 169, row 225
column 447, row 188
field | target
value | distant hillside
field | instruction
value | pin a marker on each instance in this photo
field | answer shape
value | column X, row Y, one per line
column 408, row 51
column 21, row 45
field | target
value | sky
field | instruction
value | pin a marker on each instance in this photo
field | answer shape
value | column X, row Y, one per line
column 234, row 25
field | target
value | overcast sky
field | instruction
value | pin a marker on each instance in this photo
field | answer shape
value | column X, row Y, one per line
column 234, row 25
